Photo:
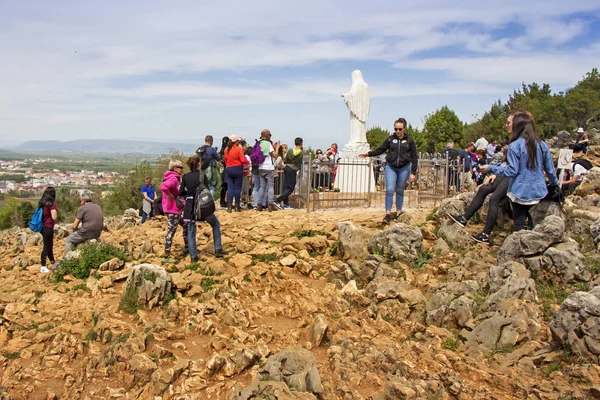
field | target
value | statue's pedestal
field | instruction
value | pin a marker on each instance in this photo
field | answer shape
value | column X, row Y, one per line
column 355, row 175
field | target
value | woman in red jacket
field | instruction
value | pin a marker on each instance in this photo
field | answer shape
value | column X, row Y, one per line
column 234, row 172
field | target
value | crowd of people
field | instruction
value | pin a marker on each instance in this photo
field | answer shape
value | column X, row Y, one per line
column 519, row 171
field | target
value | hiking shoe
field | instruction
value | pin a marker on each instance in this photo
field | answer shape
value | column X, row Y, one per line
column 287, row 207
column 278, row 205
column 459, row 219
column 220, row 253
column 481, row 238
column 44, row 270
column 387, row 219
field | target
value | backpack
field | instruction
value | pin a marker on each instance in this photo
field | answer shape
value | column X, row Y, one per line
column 584, row 163
column 36, row 224
column 204, row 205
column 204, row 161
column 257, row 157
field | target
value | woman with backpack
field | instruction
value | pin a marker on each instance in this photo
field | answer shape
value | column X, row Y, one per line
column 172, row 207
column 49, row 214
column 187, row 189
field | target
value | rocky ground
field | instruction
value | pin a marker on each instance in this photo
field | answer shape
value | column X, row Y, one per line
column 329, row 305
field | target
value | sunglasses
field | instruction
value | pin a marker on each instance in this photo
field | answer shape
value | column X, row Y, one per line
column 398, row 129
column 179, row 167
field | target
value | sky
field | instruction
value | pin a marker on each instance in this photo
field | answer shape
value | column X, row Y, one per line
column 152, row 70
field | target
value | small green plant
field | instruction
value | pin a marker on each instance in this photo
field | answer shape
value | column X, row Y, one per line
column 150, row 276
column 207, row 283
column 129, row 301
column 193, row 266
column 379, row 251
column 81, row 286
column 91, row 336
column 334, row 249
column 265, row 257
column 92, row 255
column 313, row 253
column 431, row 215
column 423, row 258
column 451, row 344
column 555, row 366
column 95, row 318
column 110, row 361
column 247, row 278
column 108, row 337
column 39, row 293
column 11, row 356
column 168, row 298
column 306, row 233
column 592, row 262
column 123, row 338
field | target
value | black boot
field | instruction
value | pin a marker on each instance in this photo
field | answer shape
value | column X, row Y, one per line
column 229, row 207
column 238, row 208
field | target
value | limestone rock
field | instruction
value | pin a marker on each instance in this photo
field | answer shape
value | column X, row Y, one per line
column 288, row 261
column 150, row 282
column 590, row 184
column 114, row 264
column 528, row 243
column 352, row 241
column 382, row 289
column 595, row 231
column 509, row 281
column 316, row 331
column 544, row 209
column 454, row 235
column 241, row 261
column 269, row 390
column 566, row 259
column 400, row 242
column 441, row 247
column 576, row 325
column 142, row 367
column 296, row 367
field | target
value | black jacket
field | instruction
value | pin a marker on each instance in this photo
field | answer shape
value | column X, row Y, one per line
column 399, row 152
column 187, row 190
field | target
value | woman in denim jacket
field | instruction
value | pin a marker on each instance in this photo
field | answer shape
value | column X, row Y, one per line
column 528, row 157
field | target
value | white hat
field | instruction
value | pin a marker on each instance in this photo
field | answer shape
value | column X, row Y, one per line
column 580, row 130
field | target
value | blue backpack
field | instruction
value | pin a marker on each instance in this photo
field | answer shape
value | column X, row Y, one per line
column 36, row 224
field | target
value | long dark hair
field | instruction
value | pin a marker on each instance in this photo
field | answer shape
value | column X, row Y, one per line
column 223, row 145
column 523, row 125
column 48, row 197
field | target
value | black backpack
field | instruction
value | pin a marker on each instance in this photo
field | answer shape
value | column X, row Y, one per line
column 584, row 163
column 204, row 161
column 204, row 204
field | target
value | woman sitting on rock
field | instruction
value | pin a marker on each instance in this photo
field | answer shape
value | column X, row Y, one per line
column 528, row 158
column 187, row 189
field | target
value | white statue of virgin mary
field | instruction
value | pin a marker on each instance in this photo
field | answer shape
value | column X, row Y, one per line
column 358, row 101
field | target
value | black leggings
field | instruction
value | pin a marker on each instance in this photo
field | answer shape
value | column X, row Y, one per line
column 498, row 188
column 47, row 251
column 520, row 215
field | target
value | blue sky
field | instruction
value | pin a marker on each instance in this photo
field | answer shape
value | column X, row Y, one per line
column 148, row 70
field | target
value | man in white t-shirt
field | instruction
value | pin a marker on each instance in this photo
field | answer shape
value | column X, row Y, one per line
column 481, row 143
column 579, row 167
column 266, row 171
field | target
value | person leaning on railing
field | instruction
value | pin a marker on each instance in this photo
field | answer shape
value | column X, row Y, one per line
column 401, row 165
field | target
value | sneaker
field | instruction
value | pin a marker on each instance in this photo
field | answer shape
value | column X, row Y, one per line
column 287, row 207
column 220, row 253
column 278, row 205
column 44, row 270
column 481, row 238
column 387, row 219
column 459, row 219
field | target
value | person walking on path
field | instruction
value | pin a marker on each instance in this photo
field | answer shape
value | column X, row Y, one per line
column 187, row 190
column 170, row 191
column 293, row 163
column 234, row 172
column 401, row 165
column 528, row 158
column 148, row 194
column 49, row 214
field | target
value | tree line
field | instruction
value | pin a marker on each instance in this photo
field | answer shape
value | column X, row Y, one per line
column 554, row 112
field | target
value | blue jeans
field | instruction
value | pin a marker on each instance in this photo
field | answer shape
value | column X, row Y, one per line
column 213, row 221
column 395, row 181
column 234, row 177
column 266, row 185
column 256, row 199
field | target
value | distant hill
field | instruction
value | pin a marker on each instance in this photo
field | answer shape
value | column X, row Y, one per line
column 103, row 146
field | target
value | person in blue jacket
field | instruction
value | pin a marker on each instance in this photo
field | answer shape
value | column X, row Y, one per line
column 528, row 158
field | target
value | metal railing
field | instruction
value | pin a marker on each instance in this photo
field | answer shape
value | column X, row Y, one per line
column 351, row 183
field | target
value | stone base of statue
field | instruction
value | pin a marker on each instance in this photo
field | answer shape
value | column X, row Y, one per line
column 355, row 175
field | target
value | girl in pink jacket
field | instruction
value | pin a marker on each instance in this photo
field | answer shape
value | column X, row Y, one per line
column 170, row 190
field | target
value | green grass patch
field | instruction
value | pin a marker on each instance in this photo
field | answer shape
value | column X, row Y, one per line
column 451, row 343
column 306, row 233
column 129, row 301
column 207, row 283
column 92, row 255
column 123, row 338
column 555, row 366
column 150, row 276
column 95, row 318
column 333, row 250
column 431, row 215
column 11, row 356
column 39, row 293
column 267, row 257
column 548, row 295
column 91, row 336
column 423, row 258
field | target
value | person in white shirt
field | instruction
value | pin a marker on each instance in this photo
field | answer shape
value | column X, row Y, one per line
column 490, row 150
column 579, row 167
column 481, row 143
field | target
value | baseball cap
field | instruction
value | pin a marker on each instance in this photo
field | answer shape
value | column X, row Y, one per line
column 234, row 138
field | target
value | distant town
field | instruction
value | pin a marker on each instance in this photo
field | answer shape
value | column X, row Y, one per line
column 22, row 175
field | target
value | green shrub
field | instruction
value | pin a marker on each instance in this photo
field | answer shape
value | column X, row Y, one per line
column 451, row 344
column 92, row 255
column 306, row 233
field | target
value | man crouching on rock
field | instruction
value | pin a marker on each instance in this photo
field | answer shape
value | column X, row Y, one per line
column 89, row 215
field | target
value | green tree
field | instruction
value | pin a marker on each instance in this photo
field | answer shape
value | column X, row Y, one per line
column 417, row 136
column 25, row 211
column 441, row 127
column 9, row 215
column 376, row 135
